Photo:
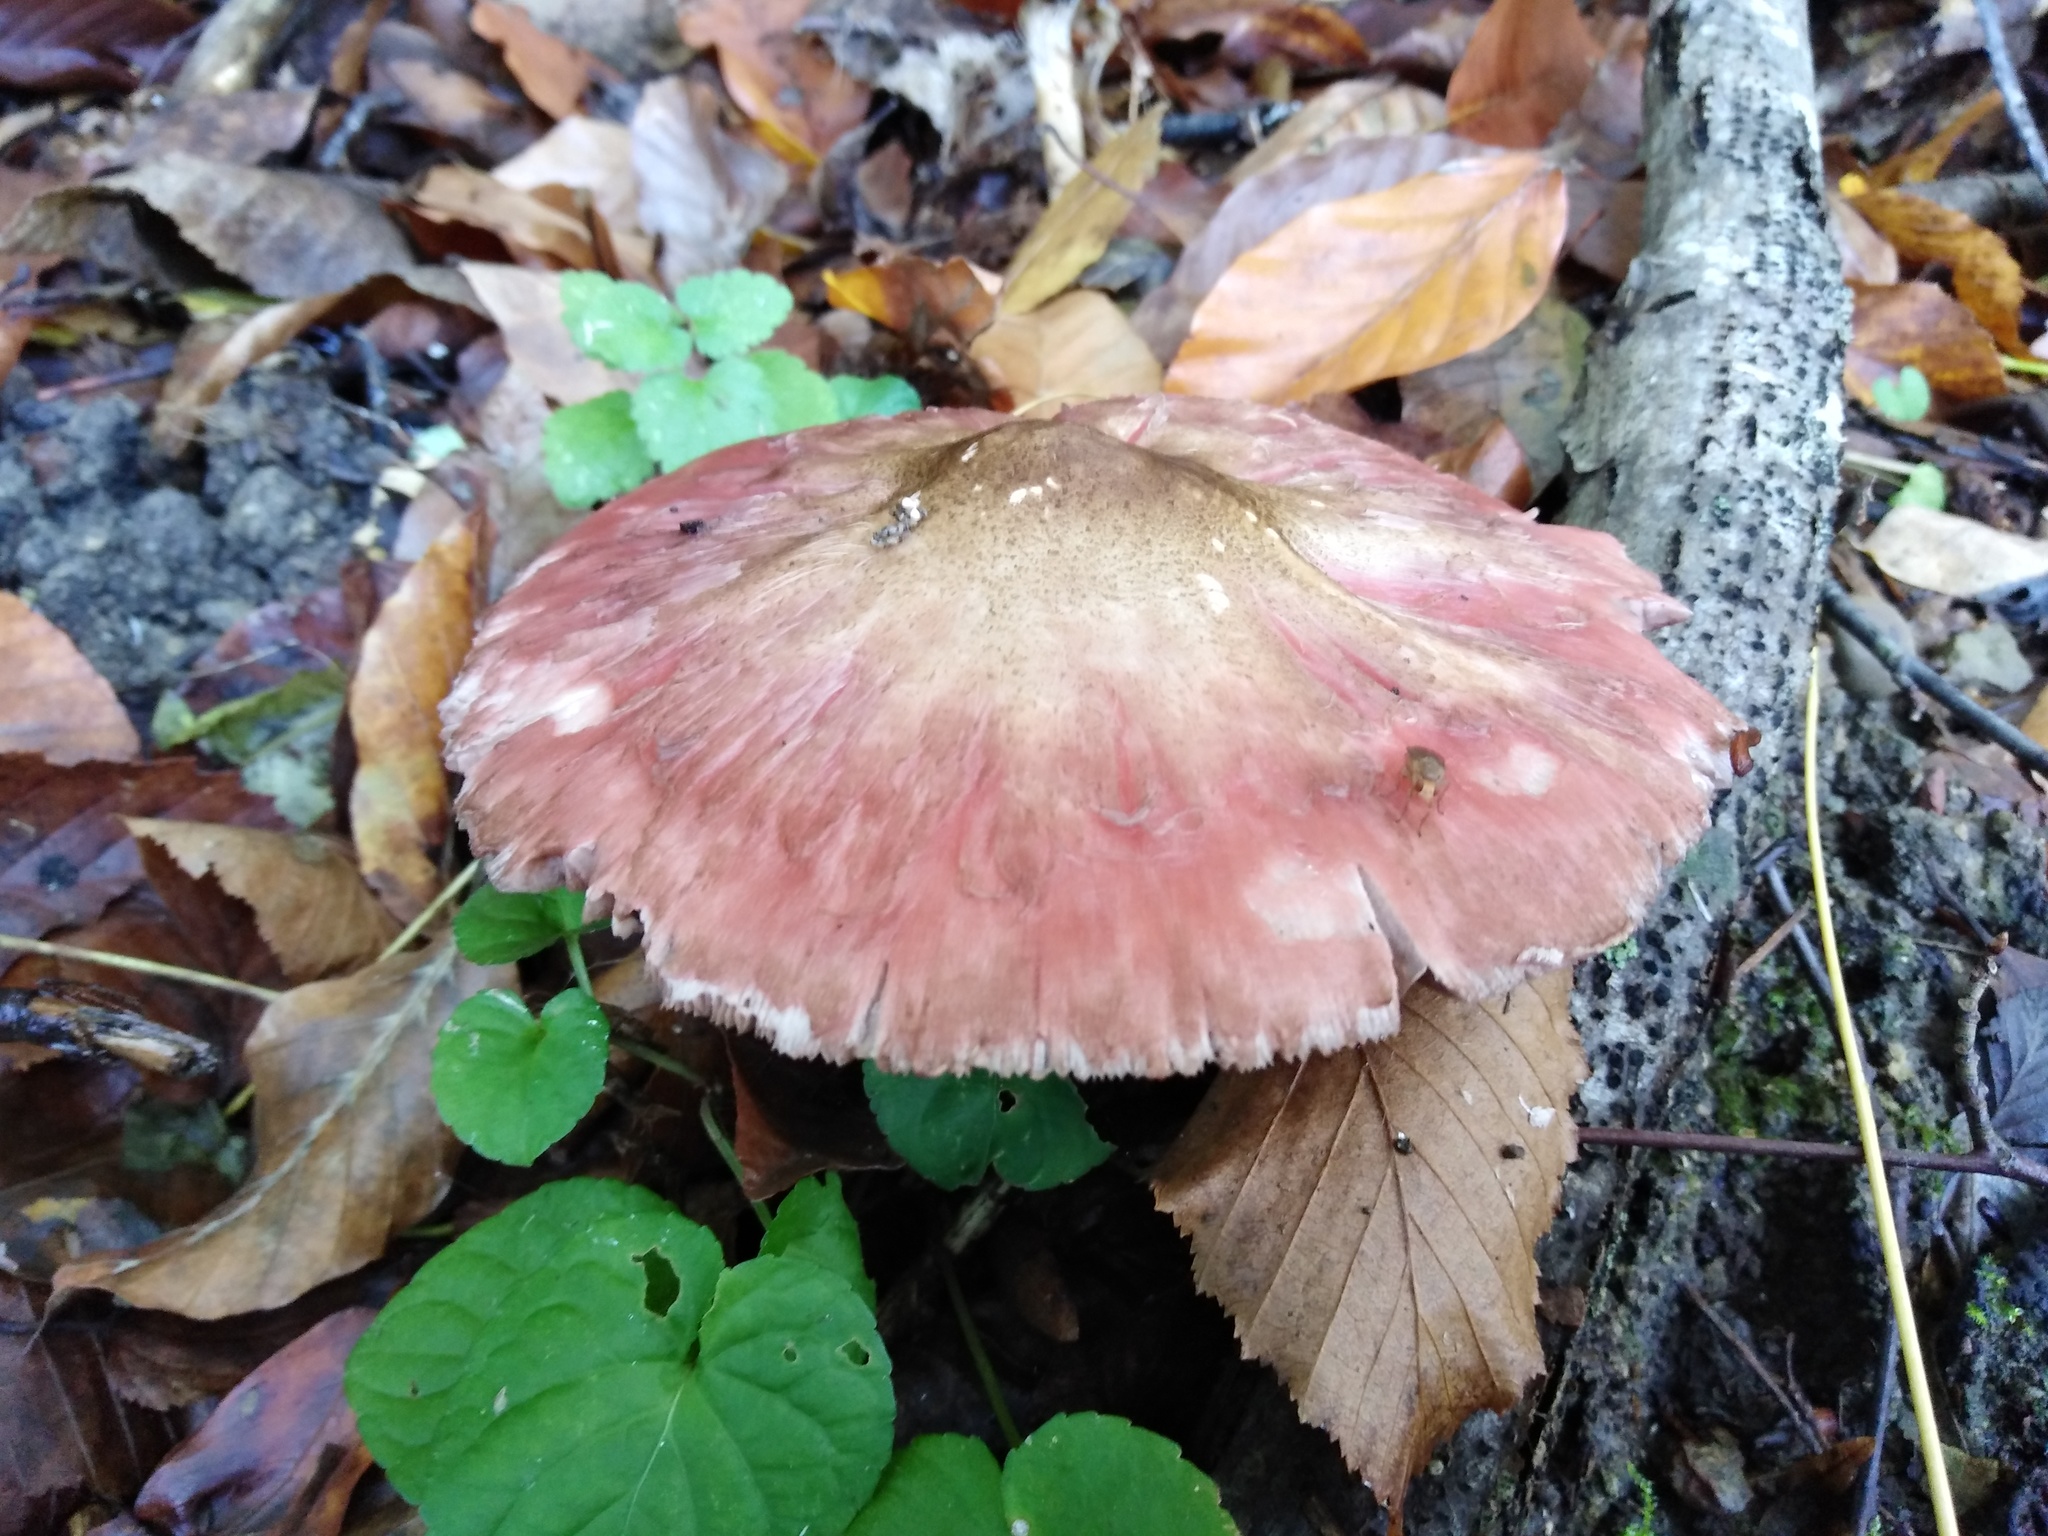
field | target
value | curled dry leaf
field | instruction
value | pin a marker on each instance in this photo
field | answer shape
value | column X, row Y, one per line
column 1528, row 379
column 1955, row 556
column 349, row 1148
column 919, row 298
column 527, row 307
column 1077, row 227
column 529, row 225
column 1923, row 162
column 592, row 156
column 1263, row 205
column 283, row 1442
column 1917, row 325
column 398, row 804
column 1381, row 285
column 553, row 74
column 1527, row 65
column 1369, row 1219
column 52, row 701
column 703, row 192
column 64, row 853
column 311, row 905
column 1987, row 279
column 1376, row 107
column 1867, row 257
column 788, row 84
column 1078, row 347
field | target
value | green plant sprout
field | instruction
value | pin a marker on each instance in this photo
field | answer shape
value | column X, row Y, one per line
column 1924, row 487
column 1645, row 1521
column 1904, row 396
column 607, row 446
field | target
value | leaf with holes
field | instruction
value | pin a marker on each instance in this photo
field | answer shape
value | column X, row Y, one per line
column 1033, row 1130
column 512, row 1085
column 579, row 1363
column 1369, row 1218
column 1379, row 285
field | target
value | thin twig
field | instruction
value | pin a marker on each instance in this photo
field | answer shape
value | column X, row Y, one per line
column 1976, row 1110
column 2022, row 1170
column 1887, row 1388
column 1769, row 947
column 418, row 925
column 2007, row 79
column 1915, row 673
column 1807, row 1428
column 983, row 1366
column 135, row 373
column 1808, row 956
column 142, row 967
column 1866, row 1128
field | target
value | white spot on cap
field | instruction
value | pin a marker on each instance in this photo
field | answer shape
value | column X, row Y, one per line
column 1540, row 1115
column 972, row 449
column 1212, row 589
column 1217, row 545
column 580, row 708
column 1302, row 904
column 1524, row 769
column 1023, row 491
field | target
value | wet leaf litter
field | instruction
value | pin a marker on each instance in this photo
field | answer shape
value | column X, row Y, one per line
column 255, row 496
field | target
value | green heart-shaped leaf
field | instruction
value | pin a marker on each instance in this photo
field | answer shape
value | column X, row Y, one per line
column 512, row 1085
column 1034, row 1131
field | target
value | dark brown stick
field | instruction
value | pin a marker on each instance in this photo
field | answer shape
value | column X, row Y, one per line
column 2024, row 1170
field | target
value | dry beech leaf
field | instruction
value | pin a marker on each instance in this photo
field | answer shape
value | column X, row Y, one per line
column 1986, row 277
column 311, row 905
column 1394, row 1292
column 1492, row 459
column 1263, row 205
column 1923, row 162
column 529, row 225
column 398, row 804
column 552, row 73
column 703, row 192
column 348, row 1148
column 527, row 308
column 72, row 47
column 1371, row 287
column 239, row 127
column 592, row 156
column 1078, row 347
column 1918, row 325
column 1527, row 65
column 52, row 701
column 1377, row 107
column 916, row 297
column 1955, row 556
column 788, row 84
column 1077, row 227
column 1528, row 379
column 1867, row 257
column 284, row 1440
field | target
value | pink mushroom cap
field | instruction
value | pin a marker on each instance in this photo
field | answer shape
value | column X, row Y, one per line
column 1167, row 732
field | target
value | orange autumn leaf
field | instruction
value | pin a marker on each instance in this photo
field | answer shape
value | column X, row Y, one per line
column 915, row 297
column 1986, row 277
column 553, row 74
column 52, row 701
column 1917, row 325
column 1371, row 287
column 788, row 84
column 1527, row 65
column 1923, row 162
column 398, row 804
column 1369, row 1218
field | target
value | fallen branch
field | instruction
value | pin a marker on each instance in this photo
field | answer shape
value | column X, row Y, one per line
column 2021, row 1169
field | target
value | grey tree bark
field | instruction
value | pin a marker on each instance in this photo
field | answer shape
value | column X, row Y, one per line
column 1707, row 439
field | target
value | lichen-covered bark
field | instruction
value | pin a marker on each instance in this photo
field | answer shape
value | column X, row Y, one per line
column 1708, row 440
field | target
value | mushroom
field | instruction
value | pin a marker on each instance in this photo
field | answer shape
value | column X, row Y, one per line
column 1166, row 732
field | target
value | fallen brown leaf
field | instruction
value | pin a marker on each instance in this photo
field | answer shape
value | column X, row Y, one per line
column 67, row 1432
column 919, row 298
column 280, row 1455
column 527, row 223
column 553, row 74
column 235, row 128
column 1263, row 205
column 592, row 156
column 64, row 853
column 441, row 96
column 398, row 804
column 1494, row 462
column 1606, row 220
column 1923, row 162
column 1078, row 347
column 1986, row 278
column 703, row 192
column 52, row 702
column 1527, row 379
column 348, row 1146
column 1376, row 107
column 788, row 84
column 527, row 307
column 1076, row 229
column 1917, row 325
column 1608, row 119
column 311, row 905
column 97, row 44
column 1867, row 257
column 1373, row 287
column 1527, row 65
column 794, row 1118
column 1369, row 1219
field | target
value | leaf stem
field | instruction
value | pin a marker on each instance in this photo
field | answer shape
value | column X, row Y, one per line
column 716, row 1132
column 2027, row 366
column 577, row 962
column 983, row 1366
column 661, row 1059
column 141, row 966
column 1931, row 1457
column 1872, row 463
column 418, row 925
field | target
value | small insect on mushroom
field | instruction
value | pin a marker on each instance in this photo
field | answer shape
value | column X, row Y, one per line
column 1425, row 774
